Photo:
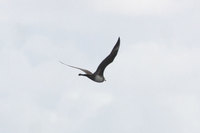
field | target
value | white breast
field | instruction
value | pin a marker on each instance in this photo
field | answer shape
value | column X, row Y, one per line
column 99, row 78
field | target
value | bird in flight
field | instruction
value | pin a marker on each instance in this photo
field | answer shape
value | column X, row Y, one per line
column 98, row 76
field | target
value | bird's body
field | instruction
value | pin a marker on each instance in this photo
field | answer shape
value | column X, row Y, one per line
column 98, row 76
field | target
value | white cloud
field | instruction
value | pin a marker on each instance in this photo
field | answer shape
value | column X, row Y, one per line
column 155, row 90
column 143, row 7
column 160, row 65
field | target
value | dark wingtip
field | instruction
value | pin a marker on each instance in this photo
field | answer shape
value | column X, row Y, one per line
column 118, row 41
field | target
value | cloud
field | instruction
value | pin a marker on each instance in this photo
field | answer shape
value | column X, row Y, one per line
column 150, row 87
column 142, row 7
column 159, row 64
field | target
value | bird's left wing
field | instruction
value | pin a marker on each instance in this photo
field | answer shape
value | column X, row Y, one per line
column 84, row 70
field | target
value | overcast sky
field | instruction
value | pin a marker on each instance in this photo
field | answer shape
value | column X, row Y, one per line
column 153, row 86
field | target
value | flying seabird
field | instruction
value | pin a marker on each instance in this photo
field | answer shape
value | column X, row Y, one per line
column 98, row 76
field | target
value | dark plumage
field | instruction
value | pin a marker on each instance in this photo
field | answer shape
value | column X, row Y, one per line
column 98, row 76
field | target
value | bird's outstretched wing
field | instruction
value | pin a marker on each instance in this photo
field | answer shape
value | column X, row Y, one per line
column 108, row 59
column 84, row 70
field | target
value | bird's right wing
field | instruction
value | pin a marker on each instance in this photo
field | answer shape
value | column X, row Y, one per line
column 109, row 59
column 84, row 70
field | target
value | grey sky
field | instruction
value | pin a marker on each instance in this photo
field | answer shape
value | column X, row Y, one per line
column 152, row 86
